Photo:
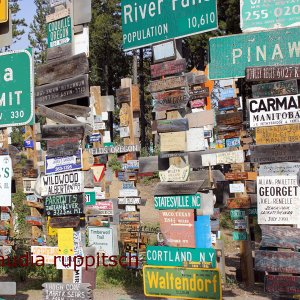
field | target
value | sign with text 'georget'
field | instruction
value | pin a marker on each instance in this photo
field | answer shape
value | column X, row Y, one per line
column 59, row 32
column 16, row 88
column 231, row 55
column 148, row 22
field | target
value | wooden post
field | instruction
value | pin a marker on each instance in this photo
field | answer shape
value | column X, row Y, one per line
column 96, row 96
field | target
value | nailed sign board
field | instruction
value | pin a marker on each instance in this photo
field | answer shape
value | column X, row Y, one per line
column 178, row 188
column 167, row 84
column 177, row 202
column 129, row 201
column 278, row 200
column 65, row 147
column 148, row 164
column 52, row 132
column 6, row 173
column 59, row 32
column 172, row 125
column 237, row 188
column 177, row 227
column 275, row 153
column 103, row 208
column 168, row 68
column 123, row 95
column 278, row 134
column 229, row 157
column 288, row 285
column 102, row 239
column 173, row 141
column 195, row 139
column 64, row 205
column 230, row 118
column 58, row 15
column 274, row 111
column 65, row 183
column 115, row 149
column 184, row 278
column 128, row 193
column 47, row 252
column 279, row 88
column 175, row 174
column 65, row 222
column 241, row 202
column 170, row 100
column 284, row 168
column 240, row 51
column 202, row 118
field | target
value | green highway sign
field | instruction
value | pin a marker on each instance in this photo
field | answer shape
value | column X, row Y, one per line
column 146, row 22
column 16, row 88
column 261, row 15
column 175, row 257
column 239, row 235
column 230, row 55
column 184, row 283
column 178, row 202
column 59, row 32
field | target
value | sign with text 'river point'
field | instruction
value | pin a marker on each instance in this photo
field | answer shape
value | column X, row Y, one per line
column 59, row 32
column 231, row 55
column 147, row 22
column 16, row 88
column 184, row 283
column 178, row 202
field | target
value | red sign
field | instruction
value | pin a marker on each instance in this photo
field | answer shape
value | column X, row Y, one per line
column 197, row 103
column 98, row 172
column 177, row 227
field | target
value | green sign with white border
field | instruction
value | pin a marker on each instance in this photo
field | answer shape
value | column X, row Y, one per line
column 90, row 198
column 178, row 202
column 59, row 32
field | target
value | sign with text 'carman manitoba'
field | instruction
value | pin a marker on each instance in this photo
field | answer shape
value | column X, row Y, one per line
column 176, row 257
column 115, row 149
column 278, row 200
column 59, row 32
column 6, row 173
column 66, row 183
column 147, row 22
column 239, row 51
column 16, row 88
column 274, row 111
column 184, row 283
column 178, row 202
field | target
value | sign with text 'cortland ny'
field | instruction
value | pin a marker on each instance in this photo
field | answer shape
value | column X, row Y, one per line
column 231, row 55
column 146, row 22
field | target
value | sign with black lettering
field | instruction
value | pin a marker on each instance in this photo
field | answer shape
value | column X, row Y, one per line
column 279, row 88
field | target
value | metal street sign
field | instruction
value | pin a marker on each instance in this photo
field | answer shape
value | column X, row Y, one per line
column 262, row 15
column 230, row 55
column 16, row 88
column 3, row 11
column 178, row 202
column 145, row 23
column 59, row 32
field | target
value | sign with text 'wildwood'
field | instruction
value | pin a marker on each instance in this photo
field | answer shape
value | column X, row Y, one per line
column 167, row 84
column 275, row 153
column 178, row 188
column 185, row 283
column 172, row 125
column 61, row 91
column 288, row 285
column 239, row 51
column 65, row 183
column 278, row 134
column 53, row 132
column 168, row 68
column 178, row 202
column 115, row 149
column 279, row 88
column 274, row 111
column 64, row 205
column 170, row 100
column 176, row 257
column 175, row 174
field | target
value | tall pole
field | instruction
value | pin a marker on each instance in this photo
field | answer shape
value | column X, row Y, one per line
column 142, row 99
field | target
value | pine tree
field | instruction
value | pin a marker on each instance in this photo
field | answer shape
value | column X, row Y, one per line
column 17, row 24
column 38, row 31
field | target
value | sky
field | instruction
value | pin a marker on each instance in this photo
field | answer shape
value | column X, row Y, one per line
column 27, row 11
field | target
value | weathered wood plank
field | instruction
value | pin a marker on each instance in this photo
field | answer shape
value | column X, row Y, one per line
column 178, row 188
column 172, row 125
column 200, row 119
column 288, row 285
column 58, row 15
column 230, row 118
column 168, row 68
column 280, row 236
column 123, row 95
column 167, row 84
column 50, row 132
column 173, row 141
column 241, row 202
column 72, row 110
column 170, row 100
column 65, row 222
column 199, row 93
column 61, row 91
column 62, row 69
column 148, row 164
column 59, row 52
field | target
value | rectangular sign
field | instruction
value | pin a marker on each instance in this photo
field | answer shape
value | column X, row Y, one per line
column 174, row 174
column 173, row 141
column 66, row 183
column 128, row 193
column 168, row 68
column 102, row 239
column 201, row 118
column 178, row 202
column 59, row 32
column 102, row 208
column 187, row 283
column 129, row 201
column 115, row 149
column 239, row 51
column 274, row 111
column 175, row 125
column 149, row 23
column 52, row 132
column 167, row 84
column 278, row 200
column 241, row 202
column 284, row 168
column 6, row 173
column 236, row 188
column 195, row 139
column 230, row 118
column 47, row 252
column 279, row 88
column 170, row 100
column 63, row 147
column 237, row 214
column 278, row 134
column 178, row 188
column 288, row 285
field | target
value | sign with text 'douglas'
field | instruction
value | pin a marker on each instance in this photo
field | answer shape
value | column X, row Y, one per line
column 148, row 22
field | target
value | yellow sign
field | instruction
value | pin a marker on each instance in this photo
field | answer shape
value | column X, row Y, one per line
column 65, row 241
column 51, row 231
column 3, row 11
column 278, row 134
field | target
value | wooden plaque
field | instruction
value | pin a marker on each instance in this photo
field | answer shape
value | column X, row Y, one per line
column 230, row 118
column 288, row 285
column 242, row 202
column 173, row 141
column 50, row 132
column 172, row 125
column 59, row 52
column 65, row 222
column 123, row 95
column 178, row 188
column 168, row 68
column 170, row 100
column 167, row 84
column 200, row 119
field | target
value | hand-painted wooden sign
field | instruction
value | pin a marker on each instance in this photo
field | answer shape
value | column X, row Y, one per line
column 167, row 84
column 35, row 221
column 275, row 261
column 52, row 132
column 198, row 103
column 97, row 221
column 65, row 183
column 201, row 119
column 199, row 93
column 279, row 88
column 129, row 217
column 123, row 95
column 280, row 237
column 164, row 126
column 284, row 168
column 61, row 91
column 230, row 157
column 64, row 205
column 128, row 193
column 241, row 202
column 170, row 100
column 175, row 174
column 275, row 153
column 178, row 188
column 178, row 202
column 271, row 111
column 241, row 176
column 65, row 222
column 278, row 200
column 269, row 73
column 195, row 139
column 278, row 134
column 230, row 118
column 287, row 285
column 229, row 104
column 168, row 68
column 173, row 141
column 103, row 208
column 65, row 147
column 115, row 149
column 129, row 200
column 177, row 227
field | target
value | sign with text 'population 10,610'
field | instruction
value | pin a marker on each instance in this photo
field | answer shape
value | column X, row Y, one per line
column 147, row 22
column 16, row 88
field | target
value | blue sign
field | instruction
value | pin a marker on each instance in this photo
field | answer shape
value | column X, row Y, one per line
column 29, row 144
column 95, row 138
column 227, row 93
column 233, row 142
column 64, row 164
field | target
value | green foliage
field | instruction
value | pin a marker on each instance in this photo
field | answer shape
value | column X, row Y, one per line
column 225, row 221
column 150, row 179
column 17, row 138
column 17, row 24
column 114, row 163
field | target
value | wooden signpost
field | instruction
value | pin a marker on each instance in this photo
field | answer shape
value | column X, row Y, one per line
column 167, row 84
column 175, row 125
column 170, row 100
column 168, row 68
column 178, row 188
column 52, row 132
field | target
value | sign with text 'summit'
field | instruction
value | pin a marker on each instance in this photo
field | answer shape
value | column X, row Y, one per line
column 230, row 55
column 148, row 22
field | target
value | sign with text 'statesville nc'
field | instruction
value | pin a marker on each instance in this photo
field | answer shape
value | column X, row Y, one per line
column 178, row 202
column 147, row 22
column 230, row 55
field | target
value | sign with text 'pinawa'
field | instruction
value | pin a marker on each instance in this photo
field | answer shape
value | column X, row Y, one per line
column 170, row 100
column 167, row 84
column 177, row 202
column 175, row 174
